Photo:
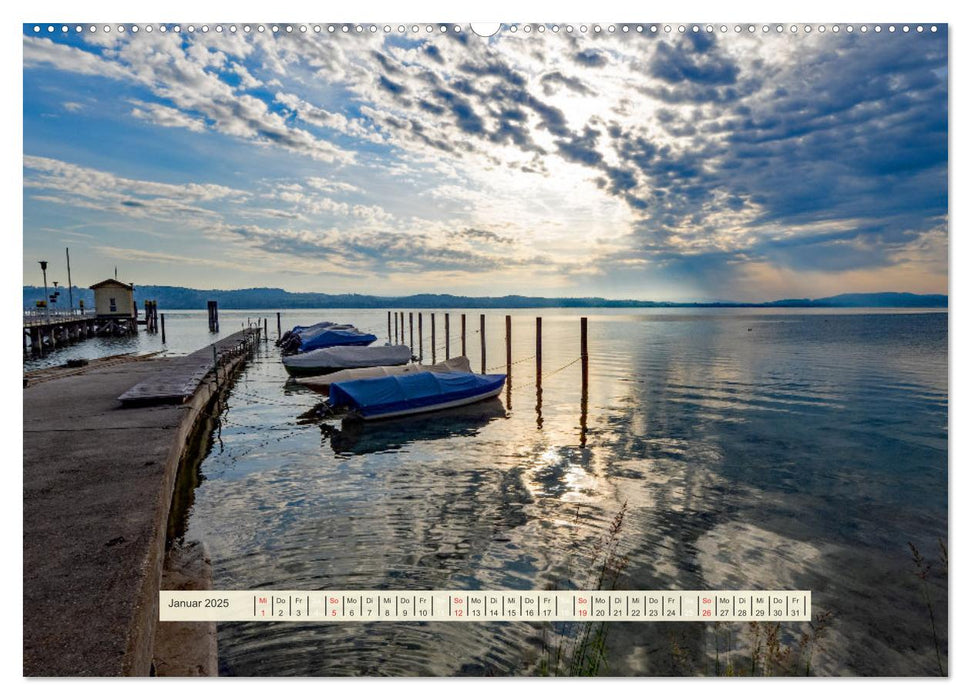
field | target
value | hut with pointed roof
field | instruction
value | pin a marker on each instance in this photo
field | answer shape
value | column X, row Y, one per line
column 114, row 304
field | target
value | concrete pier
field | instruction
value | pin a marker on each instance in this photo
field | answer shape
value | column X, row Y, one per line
column 98, row 481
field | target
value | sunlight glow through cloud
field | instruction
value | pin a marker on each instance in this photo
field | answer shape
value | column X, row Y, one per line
column 692, row 166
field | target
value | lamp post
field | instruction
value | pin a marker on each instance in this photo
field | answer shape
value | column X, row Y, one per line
column 47, row 309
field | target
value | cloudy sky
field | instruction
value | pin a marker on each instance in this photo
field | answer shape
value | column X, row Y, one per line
column 678, row 166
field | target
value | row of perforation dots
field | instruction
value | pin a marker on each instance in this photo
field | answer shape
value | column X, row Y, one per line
column 527, row 28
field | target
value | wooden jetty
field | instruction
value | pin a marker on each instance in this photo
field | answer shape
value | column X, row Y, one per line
column 179, row 379
column 50, row 329
column 98, row 484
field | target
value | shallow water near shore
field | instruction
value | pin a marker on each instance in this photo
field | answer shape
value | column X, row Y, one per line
column 754, row 450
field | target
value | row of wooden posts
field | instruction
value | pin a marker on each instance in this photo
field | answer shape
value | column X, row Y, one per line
column 396, row 320
column 396, row 332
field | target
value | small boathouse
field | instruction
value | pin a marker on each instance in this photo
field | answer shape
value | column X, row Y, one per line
column 114, row 304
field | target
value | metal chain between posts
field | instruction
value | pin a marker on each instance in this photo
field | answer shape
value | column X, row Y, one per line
column 520, row 361
column 550, row 374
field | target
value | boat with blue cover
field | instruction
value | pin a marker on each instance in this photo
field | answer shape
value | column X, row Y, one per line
column 327, row 337
column 301, row 330
column 408, row 394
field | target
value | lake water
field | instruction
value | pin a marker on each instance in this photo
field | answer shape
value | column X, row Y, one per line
column 754, row 449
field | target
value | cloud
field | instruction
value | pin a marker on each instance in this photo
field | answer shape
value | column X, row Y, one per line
column 554, row 78
column 591, row 58
column 707, row 156
column 138, row 255
column 185, row 78
column 480, row 235
column 73, row 185
column 166, row 116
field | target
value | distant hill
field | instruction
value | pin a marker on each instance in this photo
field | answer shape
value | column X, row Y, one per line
column 274, row 298
column 878, row 299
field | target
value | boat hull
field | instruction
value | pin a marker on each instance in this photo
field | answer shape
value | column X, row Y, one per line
column 430, row 409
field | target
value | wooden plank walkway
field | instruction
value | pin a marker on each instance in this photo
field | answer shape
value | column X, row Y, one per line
column 180, row 378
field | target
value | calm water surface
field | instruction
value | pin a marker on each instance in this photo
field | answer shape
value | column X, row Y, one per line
column 754, row 450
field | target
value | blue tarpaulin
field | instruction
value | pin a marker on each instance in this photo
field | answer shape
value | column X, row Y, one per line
column 299, row 330
column 408, row 392
column 329, row 338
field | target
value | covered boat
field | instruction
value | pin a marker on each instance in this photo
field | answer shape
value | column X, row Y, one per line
column 300, row 330
column 334, row 336
column 408, row 394
column 345, row 357
column 322, row 383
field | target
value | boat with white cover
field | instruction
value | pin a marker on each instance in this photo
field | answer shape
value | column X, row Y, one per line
column 322, row 382
column 346, row 357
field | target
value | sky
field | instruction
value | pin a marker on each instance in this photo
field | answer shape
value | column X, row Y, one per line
column 657, row 165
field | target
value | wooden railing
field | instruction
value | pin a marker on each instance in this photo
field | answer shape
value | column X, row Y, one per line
column 37, row 317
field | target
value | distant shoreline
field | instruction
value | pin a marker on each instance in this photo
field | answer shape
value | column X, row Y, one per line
column 183, row 298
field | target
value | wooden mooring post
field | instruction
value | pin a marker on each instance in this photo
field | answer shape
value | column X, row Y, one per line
column 213, row 316
column 508, row 362
column 583, row 349
column 266, row 332
column 402, row 327
column 447, row 339
column 482, row 341
column 396, row 328
column 279, row 330
column 421, row 341
column 539, row 350
column 411, row 331
column 584, row 383
column 539, row 372
column 433, row 339
column 463, row 335
column 508, row 348
column 163, row 329
column 389, row 326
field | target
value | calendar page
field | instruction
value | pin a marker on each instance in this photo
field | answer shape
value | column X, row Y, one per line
column 451, row 349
